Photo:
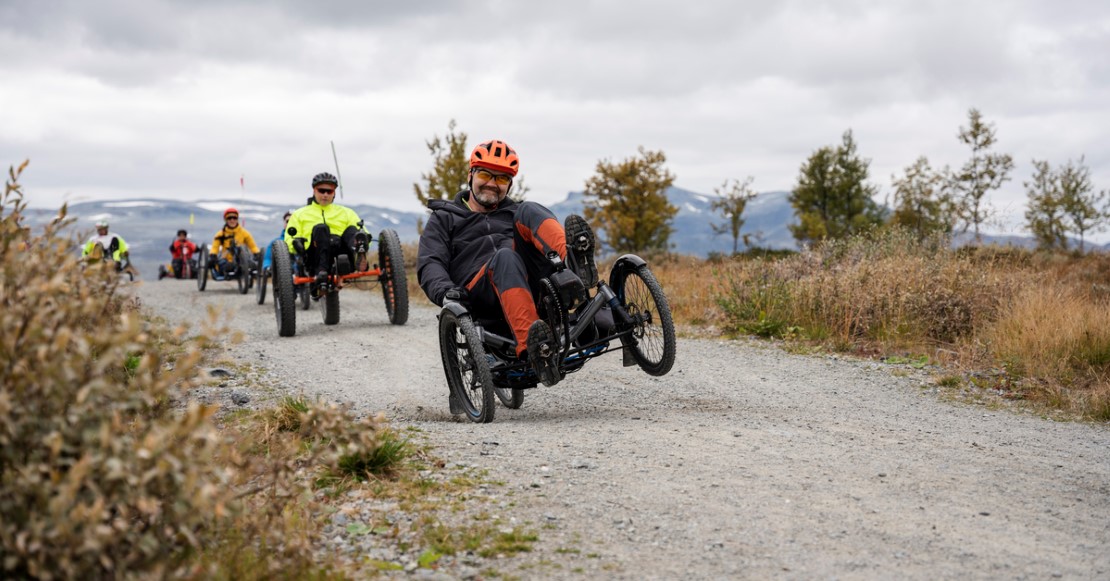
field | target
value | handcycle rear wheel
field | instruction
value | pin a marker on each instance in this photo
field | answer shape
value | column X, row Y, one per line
column 329, row 307
column 653, row 338
column 466, row 366
column 306, row 298
column 263, row 274
column 202, row 267
column 510, row 397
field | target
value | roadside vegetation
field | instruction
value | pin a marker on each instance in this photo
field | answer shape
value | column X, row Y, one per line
column 1028, row 325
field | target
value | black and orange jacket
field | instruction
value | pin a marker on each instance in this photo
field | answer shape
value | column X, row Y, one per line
column 458, row 241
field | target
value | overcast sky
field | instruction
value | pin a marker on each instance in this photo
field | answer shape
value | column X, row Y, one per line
column 178, row 99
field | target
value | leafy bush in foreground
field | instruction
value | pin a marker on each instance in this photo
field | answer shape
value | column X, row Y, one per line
column 96, row 479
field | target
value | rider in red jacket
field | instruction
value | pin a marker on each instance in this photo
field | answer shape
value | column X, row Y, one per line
column 181, row 249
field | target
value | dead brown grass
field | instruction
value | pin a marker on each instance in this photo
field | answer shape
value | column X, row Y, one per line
column 1042, row 319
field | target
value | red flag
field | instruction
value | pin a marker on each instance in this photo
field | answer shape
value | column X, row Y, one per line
column 241, row 186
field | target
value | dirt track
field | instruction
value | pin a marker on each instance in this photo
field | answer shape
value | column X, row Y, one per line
column 743, row 462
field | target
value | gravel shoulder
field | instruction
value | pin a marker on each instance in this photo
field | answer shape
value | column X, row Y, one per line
column 743, row 462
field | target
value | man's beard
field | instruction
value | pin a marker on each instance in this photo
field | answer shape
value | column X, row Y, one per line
column 488, row 197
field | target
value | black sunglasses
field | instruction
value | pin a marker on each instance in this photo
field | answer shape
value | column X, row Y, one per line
column 326, row 190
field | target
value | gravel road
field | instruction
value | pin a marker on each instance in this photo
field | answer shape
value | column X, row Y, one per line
column 743, row 462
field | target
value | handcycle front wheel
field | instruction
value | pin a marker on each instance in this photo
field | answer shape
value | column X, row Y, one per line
column 652, row 342
column 466, row 366
column 284, row 309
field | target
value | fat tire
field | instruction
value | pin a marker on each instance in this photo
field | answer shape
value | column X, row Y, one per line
column 284, row 302
column 306, row 297
column 329, row 306
column 653, row 343
column 243, row 269
column 466, row 366
column 263, row 275
column 202, row 267
column 511, row 398
column 395, row 289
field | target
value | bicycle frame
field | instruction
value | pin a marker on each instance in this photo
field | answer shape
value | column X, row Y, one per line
column 335, row 278
column 624, row 330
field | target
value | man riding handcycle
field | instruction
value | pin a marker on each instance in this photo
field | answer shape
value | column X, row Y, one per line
column 330, row 247
column 232, row 256
column 522, row 303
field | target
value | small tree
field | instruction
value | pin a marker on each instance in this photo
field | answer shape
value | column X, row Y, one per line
column 921, row 203
column 628, row 200
column 832, row 198
column 450, row 169
column 732, row 199
column 985, row 171
column 1084, row 209
column 1044, row 214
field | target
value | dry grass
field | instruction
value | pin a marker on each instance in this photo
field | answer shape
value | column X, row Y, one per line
column 691, row 285
column 1055, row 338
column 1042, row 319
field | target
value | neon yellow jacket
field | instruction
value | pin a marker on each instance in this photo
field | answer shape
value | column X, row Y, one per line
column 337, row 217
column 106, row 241
column 221, row 242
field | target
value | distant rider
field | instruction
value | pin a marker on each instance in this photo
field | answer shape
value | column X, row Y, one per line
column 106, row 244
column 220, row 252
column 484, row 247
column 181, row 249
column 325, row 230
column 267, row 257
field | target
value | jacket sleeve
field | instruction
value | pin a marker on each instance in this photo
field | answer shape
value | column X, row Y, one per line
column 249, row 241
column 434, row 258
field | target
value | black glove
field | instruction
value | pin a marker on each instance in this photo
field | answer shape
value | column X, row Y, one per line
column 457, row 294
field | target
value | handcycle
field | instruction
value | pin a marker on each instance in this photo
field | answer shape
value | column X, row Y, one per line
column 629, row 313
column 188, row 268
column 244, row 272
column 100, row 255
column 389, row 272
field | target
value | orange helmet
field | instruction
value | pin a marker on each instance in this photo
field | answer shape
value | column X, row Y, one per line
column 231, row 211
column 495, row 155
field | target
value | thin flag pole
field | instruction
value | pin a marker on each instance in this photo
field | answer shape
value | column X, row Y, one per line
column 242, row 195
column 337, row 174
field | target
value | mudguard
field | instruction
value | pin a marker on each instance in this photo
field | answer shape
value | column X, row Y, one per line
column 456, row 308
column 626, row 262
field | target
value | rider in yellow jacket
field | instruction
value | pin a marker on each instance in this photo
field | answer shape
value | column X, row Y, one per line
column 323, row 230
column 220, row 251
